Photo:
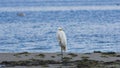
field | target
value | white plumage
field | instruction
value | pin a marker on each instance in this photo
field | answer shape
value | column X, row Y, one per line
column 62, row 39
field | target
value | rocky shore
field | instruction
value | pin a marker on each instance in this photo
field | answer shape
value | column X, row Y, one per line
column 96, row 59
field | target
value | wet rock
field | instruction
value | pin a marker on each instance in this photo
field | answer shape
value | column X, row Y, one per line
column 72, row 54
column 53, row 56
column 108, row 53
column 30, row 62
column 97, row 52
column 41, row 55
column 84, row 57
column 23, row 53
column 117, row 55
column 85, row 63
column 21, row 14
column 66, row 59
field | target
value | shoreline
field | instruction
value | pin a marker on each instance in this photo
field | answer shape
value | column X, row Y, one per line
column 96, row 59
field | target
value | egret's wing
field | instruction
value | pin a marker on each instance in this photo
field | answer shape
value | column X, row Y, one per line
column 63, row 40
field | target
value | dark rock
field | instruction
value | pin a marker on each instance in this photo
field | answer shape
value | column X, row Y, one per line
column 21, row 14
column 72, row 54
column 41, row 55
column 108, row 53
column 97, row 51
column 85, row 63
column 31, row 62
column 117, row 55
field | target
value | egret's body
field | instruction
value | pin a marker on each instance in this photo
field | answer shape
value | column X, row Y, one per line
column 62, row 40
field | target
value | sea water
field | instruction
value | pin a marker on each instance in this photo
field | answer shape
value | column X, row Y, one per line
column 86, row 30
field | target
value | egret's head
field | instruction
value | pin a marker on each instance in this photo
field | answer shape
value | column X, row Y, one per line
column 59, row 28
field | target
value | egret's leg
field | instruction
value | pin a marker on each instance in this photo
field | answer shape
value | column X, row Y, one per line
column 61, row 55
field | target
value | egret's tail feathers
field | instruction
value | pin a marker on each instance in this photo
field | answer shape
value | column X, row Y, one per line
column 63, row 48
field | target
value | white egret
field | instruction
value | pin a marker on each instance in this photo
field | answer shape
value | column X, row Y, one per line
column 62, row 40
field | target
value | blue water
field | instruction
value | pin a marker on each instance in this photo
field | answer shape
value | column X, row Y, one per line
column 9, row 3
column 86, row 30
